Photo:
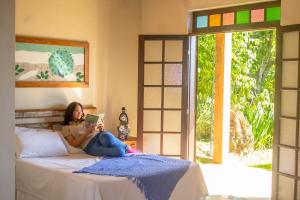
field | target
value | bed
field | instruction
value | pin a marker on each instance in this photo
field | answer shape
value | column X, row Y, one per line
column 48, row 178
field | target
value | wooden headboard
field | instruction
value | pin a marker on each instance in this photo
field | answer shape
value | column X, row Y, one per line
column 45, row 118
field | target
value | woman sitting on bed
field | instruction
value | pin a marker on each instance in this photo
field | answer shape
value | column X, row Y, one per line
column 93, row 142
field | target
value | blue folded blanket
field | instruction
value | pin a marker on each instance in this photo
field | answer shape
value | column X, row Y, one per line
column 154, row 175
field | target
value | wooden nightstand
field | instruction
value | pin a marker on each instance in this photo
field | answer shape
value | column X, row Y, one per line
column 131, row 141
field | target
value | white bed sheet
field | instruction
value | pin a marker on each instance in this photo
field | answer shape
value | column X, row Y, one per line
column 52, row 178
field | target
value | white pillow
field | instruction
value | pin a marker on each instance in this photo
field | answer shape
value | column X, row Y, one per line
column 38, row 143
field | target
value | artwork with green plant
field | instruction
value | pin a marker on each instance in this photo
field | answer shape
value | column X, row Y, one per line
column 18, row 70
column 61, row 62
column 79, row 77
column 43, row 75
column 53, row 62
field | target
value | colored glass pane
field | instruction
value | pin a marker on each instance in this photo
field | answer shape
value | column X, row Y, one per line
column 202, row 21
column 215, row 20
column 242, row 17
column 228, row 18
column 257, row 15
column 273, row 14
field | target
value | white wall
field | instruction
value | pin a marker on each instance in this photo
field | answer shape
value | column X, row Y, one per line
column 164, row 17
column 61, row 20
column 120, row 74
column 7, row 150
column 111, row 27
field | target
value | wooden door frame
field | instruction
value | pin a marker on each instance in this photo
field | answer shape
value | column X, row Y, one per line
column 218, row 158
column 234, row 27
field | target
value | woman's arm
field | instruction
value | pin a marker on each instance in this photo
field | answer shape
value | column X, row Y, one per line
column 76, row 142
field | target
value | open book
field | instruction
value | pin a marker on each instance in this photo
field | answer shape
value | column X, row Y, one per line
column 94, row 119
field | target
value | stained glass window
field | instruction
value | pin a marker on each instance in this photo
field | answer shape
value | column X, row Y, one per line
column 242, row 17
column 257, row 15
column 273, row 14
column 215, row 20
column 201, row 21
column 228, row 18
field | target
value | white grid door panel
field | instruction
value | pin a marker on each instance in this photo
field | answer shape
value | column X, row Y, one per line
column 163, row 95
column 286, row 138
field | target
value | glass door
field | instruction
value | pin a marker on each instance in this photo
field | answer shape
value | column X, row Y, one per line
column 286, row 157
column 162, row 103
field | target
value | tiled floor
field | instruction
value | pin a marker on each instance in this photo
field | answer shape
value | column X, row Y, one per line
column 237, row 180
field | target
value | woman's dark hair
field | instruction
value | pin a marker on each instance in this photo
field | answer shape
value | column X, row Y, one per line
column 69, row 112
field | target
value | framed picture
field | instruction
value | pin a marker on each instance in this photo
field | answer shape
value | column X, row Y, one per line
column 42, row 62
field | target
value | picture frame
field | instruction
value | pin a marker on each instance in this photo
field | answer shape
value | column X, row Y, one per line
column 43, row 62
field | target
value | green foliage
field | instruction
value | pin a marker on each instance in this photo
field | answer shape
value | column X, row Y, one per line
column 267, row 166
column 61, row 62
column 252, row 83
column 43, row 75
column 204, row 160
column 18, row 70
column 205, row 95
column 79, row 77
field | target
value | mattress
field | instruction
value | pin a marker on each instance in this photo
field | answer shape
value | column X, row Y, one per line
column 52, row 178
